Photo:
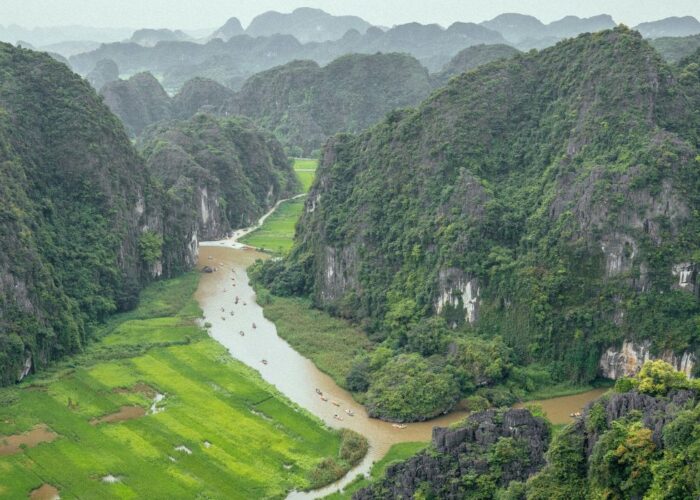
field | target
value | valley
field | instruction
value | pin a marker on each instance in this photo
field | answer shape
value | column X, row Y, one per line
column 312, row 256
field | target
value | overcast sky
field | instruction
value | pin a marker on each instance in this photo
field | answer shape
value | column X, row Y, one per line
column 212, row 13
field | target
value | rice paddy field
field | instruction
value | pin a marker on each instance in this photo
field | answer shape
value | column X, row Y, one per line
column 157, row 409
column 276, row 235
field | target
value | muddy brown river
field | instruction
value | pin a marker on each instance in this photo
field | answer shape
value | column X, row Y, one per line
column 290, row 372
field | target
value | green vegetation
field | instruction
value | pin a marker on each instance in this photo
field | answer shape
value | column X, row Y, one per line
column 331, row 343
column 306, row 172
column 397, row 453
column 303, row 104
column 675, row 49
column 70, row 182
column 649, row 450
column 277, row 233
column 499, row 206
column 250, row 441
column 85, row 224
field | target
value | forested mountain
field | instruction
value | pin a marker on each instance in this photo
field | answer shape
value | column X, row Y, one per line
column 303, row 103
column 84, row 223
column 77, row 213
column 218, row 175
column 642, row 440
column 471, row 58
column 200, row 94
column 139, row 101
column 306, row 25
column 673, row 49
column 671, row 26
column 539, row 212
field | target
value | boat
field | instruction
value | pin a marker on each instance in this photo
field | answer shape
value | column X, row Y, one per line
column 335, row 403
column 231, row 313
column 264, row 361
column 399, row 426
column 223, row 318
column 318, row 391
column 337, row 417
column 254, row 325
column 242, row 334
column 350, row 412
column 324, row 398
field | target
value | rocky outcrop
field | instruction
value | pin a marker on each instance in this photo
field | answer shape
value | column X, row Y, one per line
column 457, row 453
column 626, row 361
column 219, row 174
column 339, row 272
column 656, row 412
column 457, row 292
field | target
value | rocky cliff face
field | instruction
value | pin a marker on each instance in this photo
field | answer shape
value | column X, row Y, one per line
column 531, row 195
column 219, row 175
column 628, row 360
column 77, row 206
column 499, row 446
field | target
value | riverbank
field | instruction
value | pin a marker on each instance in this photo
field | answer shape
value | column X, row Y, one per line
column 158, row 409
column 276, row 234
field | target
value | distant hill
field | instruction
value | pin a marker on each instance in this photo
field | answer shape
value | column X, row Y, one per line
column 527, row 32
column 303, row 103
column 674, row 49
column 229, row 62
column 139, row 101
column 670, row 27
column 231, row 28
column 150, row 37
column 473, row 57
column 223, row 172
column 105, row 71
column 200, row 94
column 306, row 25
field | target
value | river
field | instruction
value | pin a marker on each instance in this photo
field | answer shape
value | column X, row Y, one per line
column 293, row 375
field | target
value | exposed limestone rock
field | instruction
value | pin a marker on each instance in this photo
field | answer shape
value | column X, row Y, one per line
column 627, row 361
column 26, row 369
column 339, row 273
column 461, row 451
column 687, row 274
column 457, row 291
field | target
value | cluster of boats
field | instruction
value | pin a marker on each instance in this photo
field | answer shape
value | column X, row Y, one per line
column 336, row 416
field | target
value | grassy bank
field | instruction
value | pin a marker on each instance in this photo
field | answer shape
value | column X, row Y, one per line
column 397, row 453
column 219, row 432
column 306, row 171
column 277, row 233
column 329, row 342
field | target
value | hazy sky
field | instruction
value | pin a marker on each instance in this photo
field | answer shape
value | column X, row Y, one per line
column 212, row 13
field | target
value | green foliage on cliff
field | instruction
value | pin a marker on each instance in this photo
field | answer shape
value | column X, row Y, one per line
column 217, row 174
column 303, row 103
column 642, row 446
column 543, row 200
column 69, row 184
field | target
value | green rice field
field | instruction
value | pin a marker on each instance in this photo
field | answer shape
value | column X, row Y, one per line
column 219, row 431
